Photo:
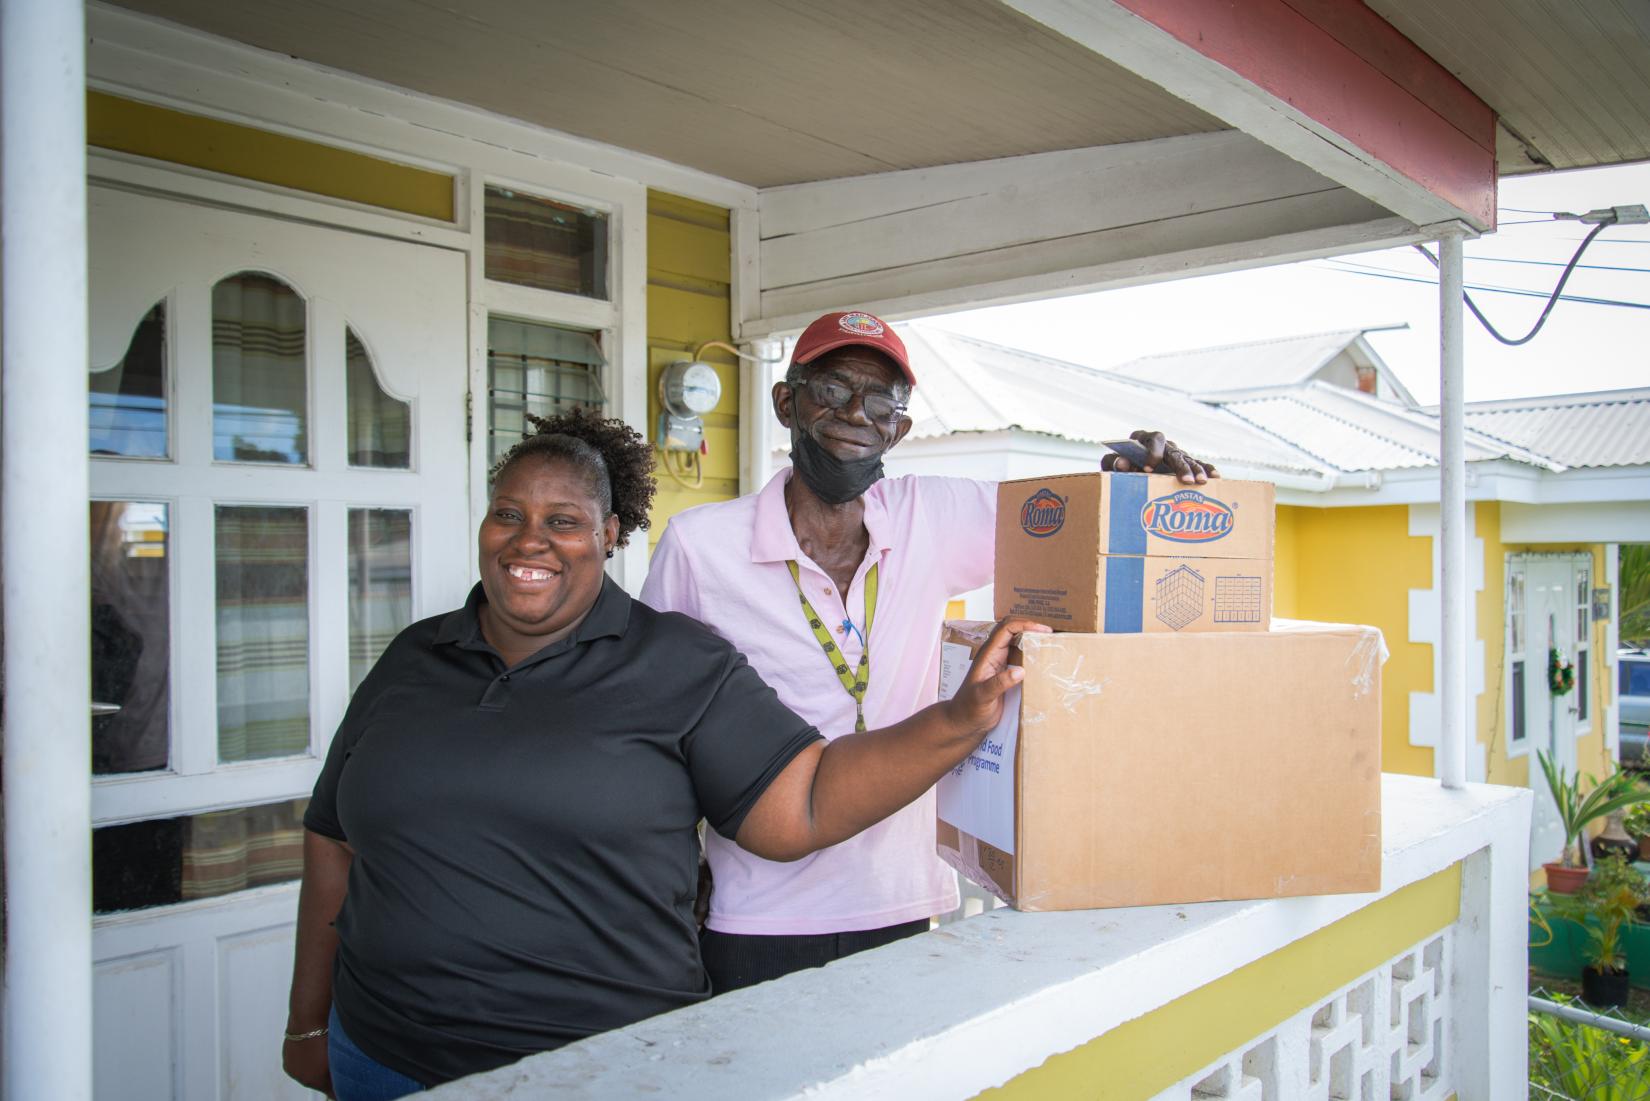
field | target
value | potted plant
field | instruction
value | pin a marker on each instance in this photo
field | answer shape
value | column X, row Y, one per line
column 1637, row 824
column 1576, row 810
column 1603, row 909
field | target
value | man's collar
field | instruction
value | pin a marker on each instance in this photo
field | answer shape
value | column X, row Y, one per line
column 774, row 540
column 608, row 617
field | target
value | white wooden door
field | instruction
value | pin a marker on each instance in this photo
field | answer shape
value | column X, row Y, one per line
column 279, row 482
column 1550, row 622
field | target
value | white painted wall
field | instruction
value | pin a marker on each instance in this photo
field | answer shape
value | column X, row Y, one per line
column 969, row 1007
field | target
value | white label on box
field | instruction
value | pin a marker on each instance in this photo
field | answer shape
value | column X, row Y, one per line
column 978, row 795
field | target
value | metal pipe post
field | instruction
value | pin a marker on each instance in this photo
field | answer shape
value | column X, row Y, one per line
column 48, row 974
column 1452, row 523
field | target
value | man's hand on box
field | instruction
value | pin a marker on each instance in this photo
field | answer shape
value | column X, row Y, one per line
column 1163, row 456
column 978, row 704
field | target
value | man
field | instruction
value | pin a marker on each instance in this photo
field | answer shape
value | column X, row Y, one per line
column 799, row 577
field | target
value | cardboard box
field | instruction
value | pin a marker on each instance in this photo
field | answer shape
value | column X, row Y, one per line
column 1132, row 553
column 1149, row 769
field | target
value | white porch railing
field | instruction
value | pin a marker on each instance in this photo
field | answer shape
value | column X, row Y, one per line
column 1416, row 991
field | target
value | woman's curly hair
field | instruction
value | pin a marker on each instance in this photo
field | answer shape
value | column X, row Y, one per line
column 616, row 460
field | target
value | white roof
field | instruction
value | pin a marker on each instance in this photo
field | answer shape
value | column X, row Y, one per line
column 1351, row 431
column 1312, row 426
column 1279, row 361
column 1607, row 428
column 969, row 385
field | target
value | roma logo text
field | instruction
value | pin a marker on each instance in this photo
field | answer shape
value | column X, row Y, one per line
column 1043, row 514
column 1187, row 516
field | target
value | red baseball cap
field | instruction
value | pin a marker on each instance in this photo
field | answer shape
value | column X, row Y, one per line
column 852, row 327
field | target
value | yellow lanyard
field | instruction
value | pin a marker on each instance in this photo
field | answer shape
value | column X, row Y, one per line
column 856, row 681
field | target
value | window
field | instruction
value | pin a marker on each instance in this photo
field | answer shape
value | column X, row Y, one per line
column 263, row 631
column 128, row 400
column 260, row 380
column 380, row 584
column 1516, row 726
column 380, row 426
column 538, row 370
column 539, row 243
column 1584, row 649
column 165, row 860
column 131, row 637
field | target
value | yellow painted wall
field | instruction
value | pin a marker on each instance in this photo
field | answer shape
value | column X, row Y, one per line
column 1491, row 622
column 1145, row 1056
column 1357, row 565
column 1286, row 564
column 128, row 126
column 689, row 269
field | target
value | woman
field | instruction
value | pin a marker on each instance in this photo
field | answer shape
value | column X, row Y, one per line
column 505, row 826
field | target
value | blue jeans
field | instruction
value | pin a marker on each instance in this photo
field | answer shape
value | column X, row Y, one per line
column 357, row 1076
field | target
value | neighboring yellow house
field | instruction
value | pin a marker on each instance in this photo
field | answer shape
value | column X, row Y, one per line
column 1556, row 482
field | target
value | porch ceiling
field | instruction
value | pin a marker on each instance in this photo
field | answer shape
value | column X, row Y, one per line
column 764, row 92
column 771, row 92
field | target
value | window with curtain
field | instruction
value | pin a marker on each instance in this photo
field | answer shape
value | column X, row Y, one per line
column 260, row 378
column 380, row 426
column 538, row 242
column 263, row 631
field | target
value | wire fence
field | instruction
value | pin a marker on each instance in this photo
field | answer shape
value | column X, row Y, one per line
column 1578, row 1053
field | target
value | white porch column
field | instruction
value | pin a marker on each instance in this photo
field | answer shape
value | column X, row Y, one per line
column 756, row 420
column 48, row 975
column 1452, row 550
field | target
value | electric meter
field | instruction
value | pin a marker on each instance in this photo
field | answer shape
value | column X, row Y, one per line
column 690, row 388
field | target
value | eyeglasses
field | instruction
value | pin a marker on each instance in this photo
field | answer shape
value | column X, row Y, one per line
column 836, row 395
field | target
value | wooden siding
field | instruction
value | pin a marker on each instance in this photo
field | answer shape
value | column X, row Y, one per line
column 689, row 271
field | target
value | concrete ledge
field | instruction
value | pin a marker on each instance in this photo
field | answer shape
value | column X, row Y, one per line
column 981, row 1001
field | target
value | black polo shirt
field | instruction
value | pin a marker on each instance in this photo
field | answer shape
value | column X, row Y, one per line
column 525, row 849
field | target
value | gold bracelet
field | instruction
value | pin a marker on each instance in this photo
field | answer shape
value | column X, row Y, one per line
column 299, row 1037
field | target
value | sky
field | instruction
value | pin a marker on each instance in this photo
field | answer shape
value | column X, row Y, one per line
column 1582, row 347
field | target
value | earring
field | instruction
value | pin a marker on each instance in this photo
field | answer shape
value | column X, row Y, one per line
column 610, row 552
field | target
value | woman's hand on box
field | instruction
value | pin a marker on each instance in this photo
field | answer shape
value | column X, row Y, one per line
column 978, row 704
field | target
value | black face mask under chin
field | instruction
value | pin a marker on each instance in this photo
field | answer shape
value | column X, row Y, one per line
column 833, row 481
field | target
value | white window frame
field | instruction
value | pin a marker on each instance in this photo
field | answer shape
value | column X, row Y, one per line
column 1514, row 563
column 1581, row 581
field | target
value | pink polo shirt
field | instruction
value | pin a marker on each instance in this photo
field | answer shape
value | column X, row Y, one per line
column 724, row 564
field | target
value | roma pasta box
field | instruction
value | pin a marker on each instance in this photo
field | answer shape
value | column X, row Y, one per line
column 1148, row 769
column 1133, row 553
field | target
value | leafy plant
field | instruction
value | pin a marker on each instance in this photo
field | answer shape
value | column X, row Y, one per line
column 1576, row 810
column 1638, row 821
column 1584, row 1063
column 1610, row 898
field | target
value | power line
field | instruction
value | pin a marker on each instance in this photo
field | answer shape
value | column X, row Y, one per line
column 1558, row 291
column 1554, row 264
column 1379, row 273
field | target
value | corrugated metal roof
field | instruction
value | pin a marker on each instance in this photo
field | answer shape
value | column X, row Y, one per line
column 1608, row 428
column 1314, row 427
column 1352, row 431
column 968, row 385
column 1280, row 362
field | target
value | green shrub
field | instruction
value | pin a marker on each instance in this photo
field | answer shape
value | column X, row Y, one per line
column 1583, row 1063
